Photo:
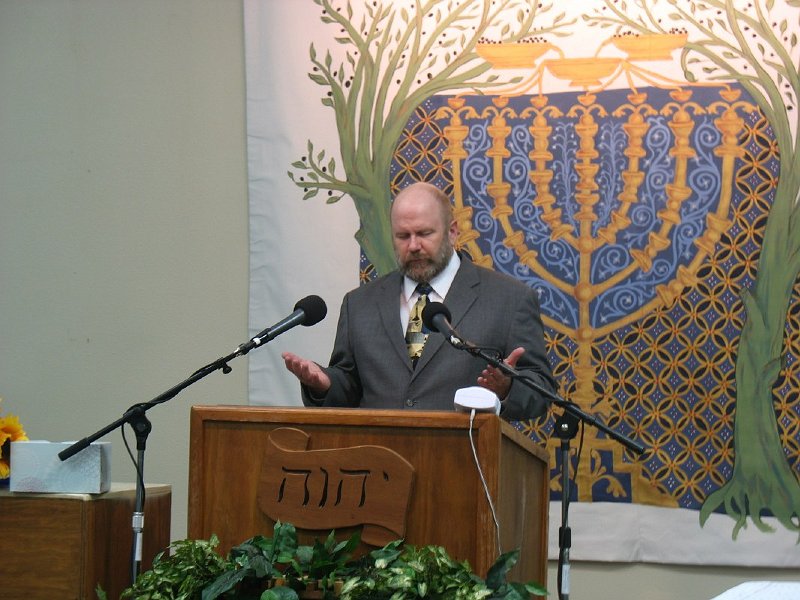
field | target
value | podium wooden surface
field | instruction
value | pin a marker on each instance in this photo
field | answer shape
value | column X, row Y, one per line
column 447, row 507
column 64, row 545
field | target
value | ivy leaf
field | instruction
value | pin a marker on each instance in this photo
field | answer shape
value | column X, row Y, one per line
column 279, row 593
column 225, row 582
column 498, row 572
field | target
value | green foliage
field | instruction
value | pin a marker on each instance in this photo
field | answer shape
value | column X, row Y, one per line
column 278, row 568
column 181, row 575
column 325, row 561
column 260, row 560
column 415, row 573
column 279, row 593
column 397, row 573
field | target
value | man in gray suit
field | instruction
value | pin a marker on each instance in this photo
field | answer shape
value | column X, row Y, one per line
column 370, row 365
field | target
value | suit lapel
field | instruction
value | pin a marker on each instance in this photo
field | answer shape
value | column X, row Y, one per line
column 463, row 292
column 389, row 310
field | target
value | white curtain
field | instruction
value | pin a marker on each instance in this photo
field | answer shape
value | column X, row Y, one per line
column 298, row 247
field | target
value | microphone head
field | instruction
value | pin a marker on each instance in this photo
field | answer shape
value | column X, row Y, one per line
column 434, row 309
column 313, row 308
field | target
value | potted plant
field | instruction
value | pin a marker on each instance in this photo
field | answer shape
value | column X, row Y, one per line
column 181, row 574
column 261, row 564
column 405, row 572
column 278, row 568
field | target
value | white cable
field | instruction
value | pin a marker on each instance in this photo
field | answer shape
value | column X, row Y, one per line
column 483, row 481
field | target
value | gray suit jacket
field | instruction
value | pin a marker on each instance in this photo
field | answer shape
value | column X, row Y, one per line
column 370, row 368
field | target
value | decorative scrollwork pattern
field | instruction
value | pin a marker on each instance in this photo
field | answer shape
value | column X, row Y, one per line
column 638, row 217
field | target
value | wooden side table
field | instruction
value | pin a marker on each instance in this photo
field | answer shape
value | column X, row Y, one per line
column 64, row 545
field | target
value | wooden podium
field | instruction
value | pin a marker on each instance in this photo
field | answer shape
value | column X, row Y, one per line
column 238, row 469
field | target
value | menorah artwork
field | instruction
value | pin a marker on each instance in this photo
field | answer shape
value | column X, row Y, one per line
column 635, row 214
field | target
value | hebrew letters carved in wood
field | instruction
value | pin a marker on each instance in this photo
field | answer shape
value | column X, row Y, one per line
column 334, row 488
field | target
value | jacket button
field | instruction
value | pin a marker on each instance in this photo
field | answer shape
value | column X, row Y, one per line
column 409, row 402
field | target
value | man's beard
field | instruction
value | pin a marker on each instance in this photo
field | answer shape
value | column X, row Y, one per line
column 422, row 269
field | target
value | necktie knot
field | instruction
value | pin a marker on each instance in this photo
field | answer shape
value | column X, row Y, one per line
column 423, row 289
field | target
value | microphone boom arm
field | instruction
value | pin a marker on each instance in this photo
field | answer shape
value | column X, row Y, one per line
column 136, row 417
column 551, row 397
column 437, row 318
column 139, row 409
column 308, row 311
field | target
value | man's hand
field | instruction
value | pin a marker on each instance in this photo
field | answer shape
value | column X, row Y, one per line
column 308, row 372
column 493, row 379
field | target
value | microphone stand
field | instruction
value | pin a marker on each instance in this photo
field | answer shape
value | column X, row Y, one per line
column 566, row 427
column 135, row 416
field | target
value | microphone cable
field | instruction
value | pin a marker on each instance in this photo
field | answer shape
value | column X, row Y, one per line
column 483, row 481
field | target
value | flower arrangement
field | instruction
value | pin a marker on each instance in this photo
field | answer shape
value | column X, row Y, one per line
column 10, row 431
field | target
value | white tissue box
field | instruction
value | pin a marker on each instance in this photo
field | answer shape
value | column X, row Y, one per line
column 36, row 467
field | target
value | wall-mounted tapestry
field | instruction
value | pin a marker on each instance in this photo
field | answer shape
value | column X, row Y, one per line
column 637, row 164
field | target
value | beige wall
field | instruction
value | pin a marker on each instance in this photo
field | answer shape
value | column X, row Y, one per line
column 124, row 237
column 123, row 218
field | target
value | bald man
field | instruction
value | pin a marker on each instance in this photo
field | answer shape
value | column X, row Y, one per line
column 370, row 366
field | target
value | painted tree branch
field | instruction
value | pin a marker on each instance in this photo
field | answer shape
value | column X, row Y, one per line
column 400, row 55
column 762, row 481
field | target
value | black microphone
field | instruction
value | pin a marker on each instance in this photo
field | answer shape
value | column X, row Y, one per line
column 436, row 317
column 308, row 311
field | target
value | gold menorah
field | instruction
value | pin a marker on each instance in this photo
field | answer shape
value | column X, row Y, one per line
column 582, row 235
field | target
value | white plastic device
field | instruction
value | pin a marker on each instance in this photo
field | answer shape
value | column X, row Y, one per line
column 476, row 398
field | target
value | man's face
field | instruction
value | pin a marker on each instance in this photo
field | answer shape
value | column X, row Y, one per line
column 423, row 239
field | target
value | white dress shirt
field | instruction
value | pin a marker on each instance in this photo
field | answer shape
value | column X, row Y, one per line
column 440, row 284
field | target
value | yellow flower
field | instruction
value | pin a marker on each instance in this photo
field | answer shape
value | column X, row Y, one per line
column 10, row 431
